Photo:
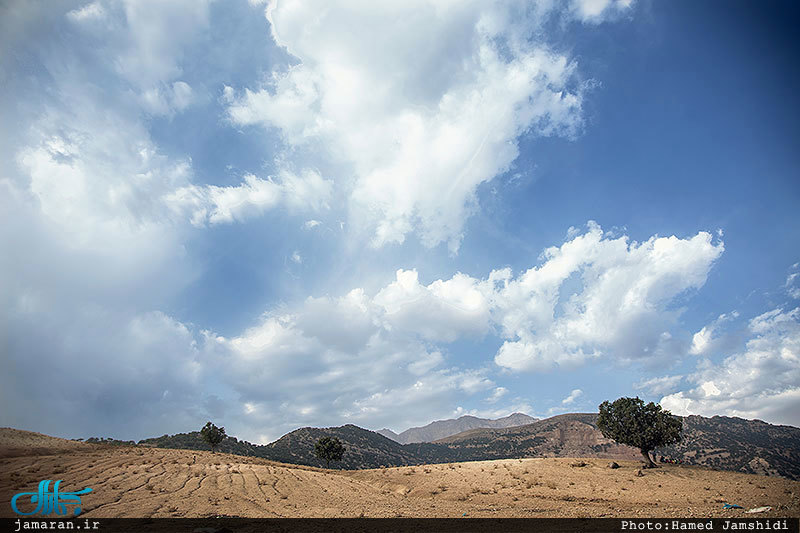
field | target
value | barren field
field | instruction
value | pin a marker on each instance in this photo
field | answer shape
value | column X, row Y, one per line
column 147, row 482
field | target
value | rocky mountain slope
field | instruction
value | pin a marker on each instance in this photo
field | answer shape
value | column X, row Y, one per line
column 441, row 429
column 722, row 443
column 571, row 435
column 751, row 446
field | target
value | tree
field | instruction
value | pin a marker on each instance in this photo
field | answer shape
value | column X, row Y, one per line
column 213, row 435
column 329, row 449
column 629, row 421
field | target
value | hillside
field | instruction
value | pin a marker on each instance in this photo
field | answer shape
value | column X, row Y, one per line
column 571, row 435
column 129, row 481
column 727, row 443
column 444, row 428
column 16, row 442
column 723, row 443
column 194, row 441
column 364, row 448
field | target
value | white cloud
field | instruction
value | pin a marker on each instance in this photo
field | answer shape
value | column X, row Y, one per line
column 659, row 385
column 331, row 361
column 167, row 100
column 574, row 395
column 311, row 224
column 212, row 204
column 154, row 36
column 792, row 284
column 762, row 382
column 90, row 11
column 596, row 11
column 144, row 43
column 497, row 393
column 443, row 310
column 703, row 340
column 421, row 105
column 372, row 362
column 94, row 172
column 621, row 310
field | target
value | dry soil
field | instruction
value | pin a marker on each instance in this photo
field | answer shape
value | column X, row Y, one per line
column 149, row 482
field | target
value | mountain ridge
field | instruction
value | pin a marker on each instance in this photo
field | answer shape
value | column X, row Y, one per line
column 722, row 443
column 439, row 429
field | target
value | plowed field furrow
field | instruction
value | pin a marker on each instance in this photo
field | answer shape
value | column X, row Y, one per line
column 154, row 482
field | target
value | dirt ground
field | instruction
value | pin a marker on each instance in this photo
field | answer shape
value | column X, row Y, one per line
column 149, row 482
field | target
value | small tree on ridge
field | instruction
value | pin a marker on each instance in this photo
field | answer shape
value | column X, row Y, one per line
column 213, row 435
column 646, row 427
column 329, row 449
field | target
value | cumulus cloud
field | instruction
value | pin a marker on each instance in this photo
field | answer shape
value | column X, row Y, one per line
column 443, row 310
column 334, row 360
column 574, row 395
column 622, row 309
column 375, row 358
column 703, row 340
column 763, row 381
column 421, row 105
column 498, row 393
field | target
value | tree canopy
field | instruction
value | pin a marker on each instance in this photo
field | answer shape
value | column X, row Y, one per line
column 329, row 449
column 646, row 427
column 213, row 435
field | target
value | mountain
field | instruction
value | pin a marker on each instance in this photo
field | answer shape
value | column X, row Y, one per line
column 445, row 428
column 722, row 443
column 570, row 435
column 363, row 448
column 389, row 434
column 728, row 443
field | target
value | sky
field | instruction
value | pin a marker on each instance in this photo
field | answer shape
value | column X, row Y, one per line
column 274, row 215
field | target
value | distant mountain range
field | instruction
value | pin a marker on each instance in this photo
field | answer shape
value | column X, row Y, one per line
column 722, row 443
column 441, row 429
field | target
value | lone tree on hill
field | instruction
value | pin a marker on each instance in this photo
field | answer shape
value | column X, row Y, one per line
column 629, row 421
column 213, row 435
column 329, row 449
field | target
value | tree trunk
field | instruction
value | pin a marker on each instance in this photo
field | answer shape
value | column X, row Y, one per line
column 648, row 462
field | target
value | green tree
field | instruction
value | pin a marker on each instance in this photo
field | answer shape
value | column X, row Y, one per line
column 213, row 435
column 646, row 427
column 329, row 449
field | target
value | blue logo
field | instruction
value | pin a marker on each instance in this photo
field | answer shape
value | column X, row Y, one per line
column 50, row 502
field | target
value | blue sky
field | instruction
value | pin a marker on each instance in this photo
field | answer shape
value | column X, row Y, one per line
column 275, row 215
